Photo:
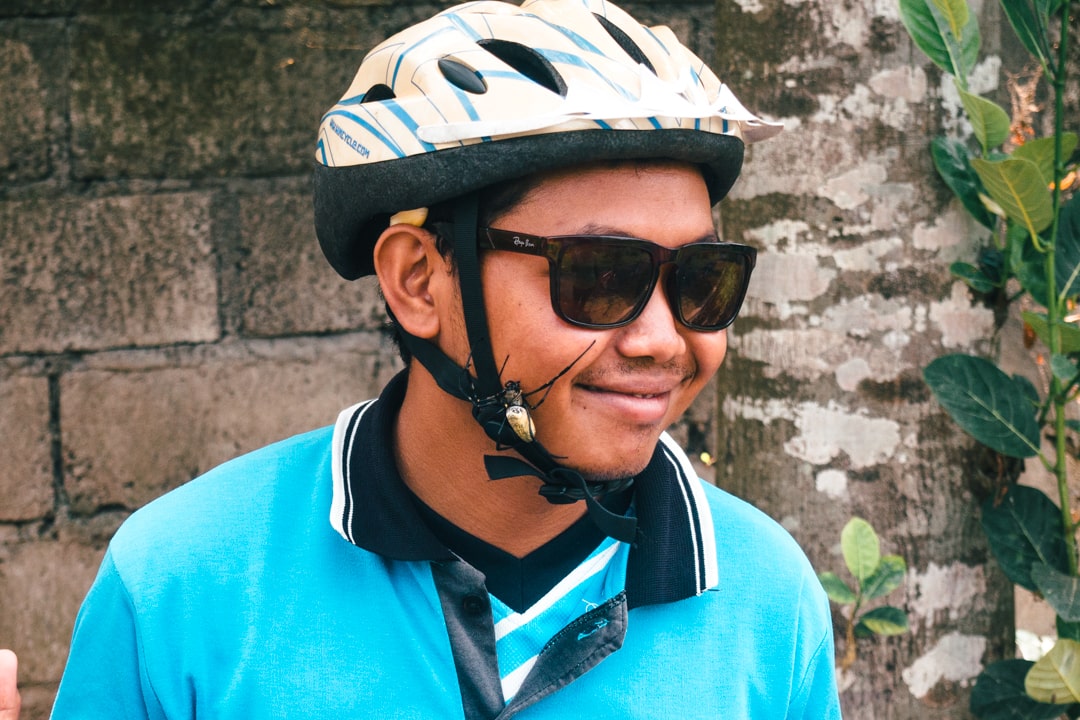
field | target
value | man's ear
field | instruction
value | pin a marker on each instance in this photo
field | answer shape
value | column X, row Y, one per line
column 414, row 278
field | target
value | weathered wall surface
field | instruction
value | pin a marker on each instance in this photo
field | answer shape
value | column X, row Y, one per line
column 163, row 302
column 823, row 411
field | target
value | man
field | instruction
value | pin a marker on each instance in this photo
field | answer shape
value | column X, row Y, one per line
column 510, row 532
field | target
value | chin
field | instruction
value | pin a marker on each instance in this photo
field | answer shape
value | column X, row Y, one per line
column 614, row 472
column 616, row 463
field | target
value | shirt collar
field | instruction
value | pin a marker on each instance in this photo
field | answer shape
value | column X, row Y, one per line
column 674, row 557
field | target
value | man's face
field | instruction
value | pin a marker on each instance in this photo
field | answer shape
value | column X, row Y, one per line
column 605, row 415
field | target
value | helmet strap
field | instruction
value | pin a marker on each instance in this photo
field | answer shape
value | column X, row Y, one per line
column 487, row 394
column 467, row 257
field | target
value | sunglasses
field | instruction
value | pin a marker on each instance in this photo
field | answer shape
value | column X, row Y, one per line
column 600, row 281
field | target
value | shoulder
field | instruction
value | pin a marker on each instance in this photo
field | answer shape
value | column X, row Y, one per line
column 234, row 501
column 752, row 544
column 735, row 518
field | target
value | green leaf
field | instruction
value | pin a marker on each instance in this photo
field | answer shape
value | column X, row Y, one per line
column 1055, row 678
column 861, row 548
column 1027, row 387
column 953, row 163
column 837, row 590
column 1026, row 262
column 1016, row 185
column 1067, row 250
column 1041, row 152
column 1066, row 629
column 1073, row 425
column 924, row 31
column 888, row 577
column 1060, row 589
column 956, row 13
column 986, row 403
column 989, row 121
column 862, row 632
column 1022, row 530
column 1046, row 8
column 991, row 263
column 886, row 620
column 1070, row 334
column 1023, row 21
column 929, row 29
column 973, row 276
column 999, row 694
column 1063, row 368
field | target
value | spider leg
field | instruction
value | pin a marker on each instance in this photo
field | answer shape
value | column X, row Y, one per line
column 546, row 387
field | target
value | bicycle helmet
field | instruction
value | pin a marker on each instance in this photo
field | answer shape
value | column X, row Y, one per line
column 488, row 92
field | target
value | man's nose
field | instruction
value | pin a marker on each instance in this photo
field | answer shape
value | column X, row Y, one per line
column 656, row 332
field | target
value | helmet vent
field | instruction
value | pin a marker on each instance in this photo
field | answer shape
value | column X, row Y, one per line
column 528, row 62
column 461, row 75
column 625, row 42
column 378, row 93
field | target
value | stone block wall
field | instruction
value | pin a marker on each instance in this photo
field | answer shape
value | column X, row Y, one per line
column 163, row 303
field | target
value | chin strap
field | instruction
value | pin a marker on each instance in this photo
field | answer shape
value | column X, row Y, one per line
column 500, row 408
column 564, row 486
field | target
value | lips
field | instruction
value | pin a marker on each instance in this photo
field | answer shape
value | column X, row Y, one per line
column 639, row 384
column 637, row 392
column 644, row 406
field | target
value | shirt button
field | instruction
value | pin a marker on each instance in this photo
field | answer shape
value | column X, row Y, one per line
column 474, row 604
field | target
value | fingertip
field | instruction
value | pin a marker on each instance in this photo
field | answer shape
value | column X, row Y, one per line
column 9, row 688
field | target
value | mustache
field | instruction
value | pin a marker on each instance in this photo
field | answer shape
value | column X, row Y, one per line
column 629, row 367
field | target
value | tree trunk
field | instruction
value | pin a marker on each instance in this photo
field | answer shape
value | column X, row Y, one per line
column 823, row 411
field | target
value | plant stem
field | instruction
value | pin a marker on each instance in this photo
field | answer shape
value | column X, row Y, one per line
column 849, row 639
column 1054, row 309
column 849, row 646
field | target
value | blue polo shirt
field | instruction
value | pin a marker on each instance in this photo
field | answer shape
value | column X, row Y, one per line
column 234, row 597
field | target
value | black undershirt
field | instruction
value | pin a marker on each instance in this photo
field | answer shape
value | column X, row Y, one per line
column 520, row 582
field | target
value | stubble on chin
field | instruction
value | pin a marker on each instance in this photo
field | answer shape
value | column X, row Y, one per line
column 623, row 466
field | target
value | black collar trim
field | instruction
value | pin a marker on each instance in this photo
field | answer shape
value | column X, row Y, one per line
column 674, row 558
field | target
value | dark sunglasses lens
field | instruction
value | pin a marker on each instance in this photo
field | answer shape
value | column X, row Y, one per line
column 601, row 283
column 711, row 285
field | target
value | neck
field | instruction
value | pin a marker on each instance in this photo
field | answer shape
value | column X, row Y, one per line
column 444, row 466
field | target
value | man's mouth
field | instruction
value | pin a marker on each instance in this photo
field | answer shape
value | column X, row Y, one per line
column 631, row 404
column 644, row 395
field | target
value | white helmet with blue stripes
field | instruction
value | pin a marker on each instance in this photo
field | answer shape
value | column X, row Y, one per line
column 488, row 91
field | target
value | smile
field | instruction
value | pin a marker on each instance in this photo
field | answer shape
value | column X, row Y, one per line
column 633, row 406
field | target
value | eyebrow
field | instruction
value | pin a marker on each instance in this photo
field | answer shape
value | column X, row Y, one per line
column 596, row 229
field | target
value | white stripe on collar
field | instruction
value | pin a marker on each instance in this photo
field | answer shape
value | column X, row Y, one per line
column 341, row 508
column 699, row 515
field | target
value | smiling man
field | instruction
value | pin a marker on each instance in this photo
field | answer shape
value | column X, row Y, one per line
column 506, row 531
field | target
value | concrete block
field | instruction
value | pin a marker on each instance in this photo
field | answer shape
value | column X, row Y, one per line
column 36, row 8
column 174, row 96
column 43, row 585
column 232, row 90
column 130, row 434
column 23, row 131
column 92, row 274
column 26, row 480
column 32, row 115
column 37, row 701
column 286, row 284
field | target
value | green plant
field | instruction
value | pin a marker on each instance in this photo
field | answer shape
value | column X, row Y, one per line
column 875, row 577
column 1015, row 184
